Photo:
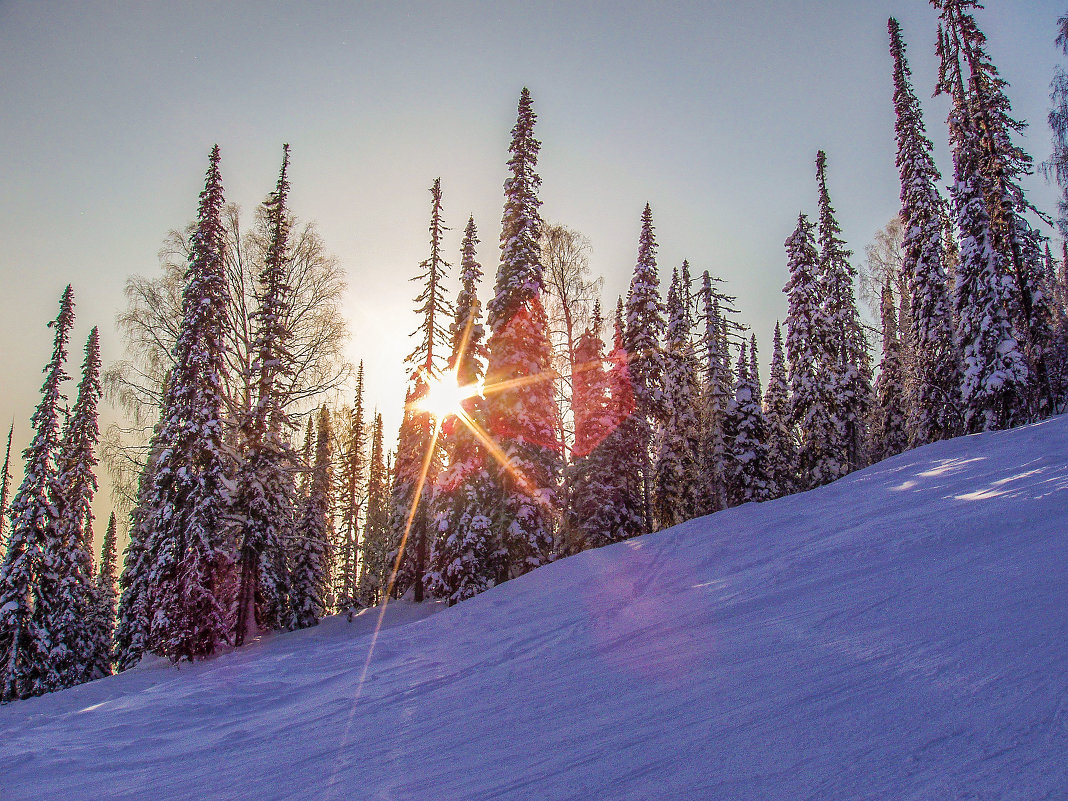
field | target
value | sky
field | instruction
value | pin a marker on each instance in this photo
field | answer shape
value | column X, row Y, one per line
column 712, row 112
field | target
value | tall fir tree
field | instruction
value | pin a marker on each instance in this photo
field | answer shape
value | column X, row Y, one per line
column 190, row 495
column 5, row 489
column 717, row 393
column 1003, row 164
column 996, row 376
column 352, row 486
column 70, row 604
column 611, row 462
column 843, row 341
column 522, row 415
column 462, row 559
column 1057, row 166
column 264, row 481
column 933, row 374
column 811, row 385
column 134, row 613
column 104, row 597
column 889, row 429
column 25, row 653
column 782, row 450
column 1059, row 369
column 596, row 511
column 642, row 340
column 677, row 473
column 746, row 434
column 419, row 454
column 311, row 552
column 374, row 541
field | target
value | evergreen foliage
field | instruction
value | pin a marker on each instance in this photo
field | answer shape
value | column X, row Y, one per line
column 5, row 489
column 811, row 390
column 521, row 411
column 606, row 472
column 604, row 504
column 419, row 453
column 677, row 473
column 67, row 566
column 745, row 431
column 190, row 494
column 374, row 544
column 889, row 431
column 265, row 486
column 997, row 377
column 102, row 623
column 352, row 486
column 841, row 338
column 134, row 613
column 933, row 374
column 1057, row 166
column 717, row 393
column 311, row 549
column 25, row 640
column 462, row 559
column 782, row 450
column 642, row 341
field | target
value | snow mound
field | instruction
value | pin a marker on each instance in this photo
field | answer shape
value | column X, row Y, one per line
column 900, row 634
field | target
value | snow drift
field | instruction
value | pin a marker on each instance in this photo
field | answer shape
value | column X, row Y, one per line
column 900, row 634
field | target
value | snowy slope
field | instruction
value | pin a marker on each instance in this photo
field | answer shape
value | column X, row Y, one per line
column 901, row 634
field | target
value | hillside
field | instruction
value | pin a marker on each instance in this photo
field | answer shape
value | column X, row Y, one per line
column 901, row 634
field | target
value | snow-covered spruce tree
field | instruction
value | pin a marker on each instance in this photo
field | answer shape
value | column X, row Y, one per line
column 374, row 542
column 186, row 553
column 996, row 381
column 843, row 341
column 590, row 519
column 419, row 453
column 351, row 491
column 811, row 387
column 1003, row 165
column 889, row 429
column 746, row 432
column 754, row 370
column 264, row 480
column 717, row 392
column 1059, row 360
column 5, row 489
column 1056, row 168
column 642, row 341
column 461, row 562
column 311, row 549
column 933, row 374
column 25, row 647
column 782, row 450
column 623, row 516
column 104, row 601
column 67, row 563
column 134, row 613
column 677, row 473
column 520, row 404
column 77, row 462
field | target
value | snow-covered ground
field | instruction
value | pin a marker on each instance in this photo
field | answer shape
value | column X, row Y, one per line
column 901, row 634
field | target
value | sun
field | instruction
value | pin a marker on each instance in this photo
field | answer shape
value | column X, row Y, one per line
column 445, row 397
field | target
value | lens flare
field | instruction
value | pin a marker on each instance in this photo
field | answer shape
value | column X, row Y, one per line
column 444, row 397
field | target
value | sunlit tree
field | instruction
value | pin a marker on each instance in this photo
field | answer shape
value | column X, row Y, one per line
column 522, row 416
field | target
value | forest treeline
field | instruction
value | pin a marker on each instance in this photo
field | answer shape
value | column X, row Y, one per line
column 534, row 427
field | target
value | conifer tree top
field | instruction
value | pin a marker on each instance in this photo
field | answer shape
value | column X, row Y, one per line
column 521, row 274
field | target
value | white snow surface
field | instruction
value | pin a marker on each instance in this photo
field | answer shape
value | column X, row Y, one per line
column 901, row 634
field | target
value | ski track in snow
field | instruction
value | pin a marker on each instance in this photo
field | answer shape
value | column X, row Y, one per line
column 901, row 634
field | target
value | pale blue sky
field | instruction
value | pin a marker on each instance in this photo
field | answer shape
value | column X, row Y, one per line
column 712, row 112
